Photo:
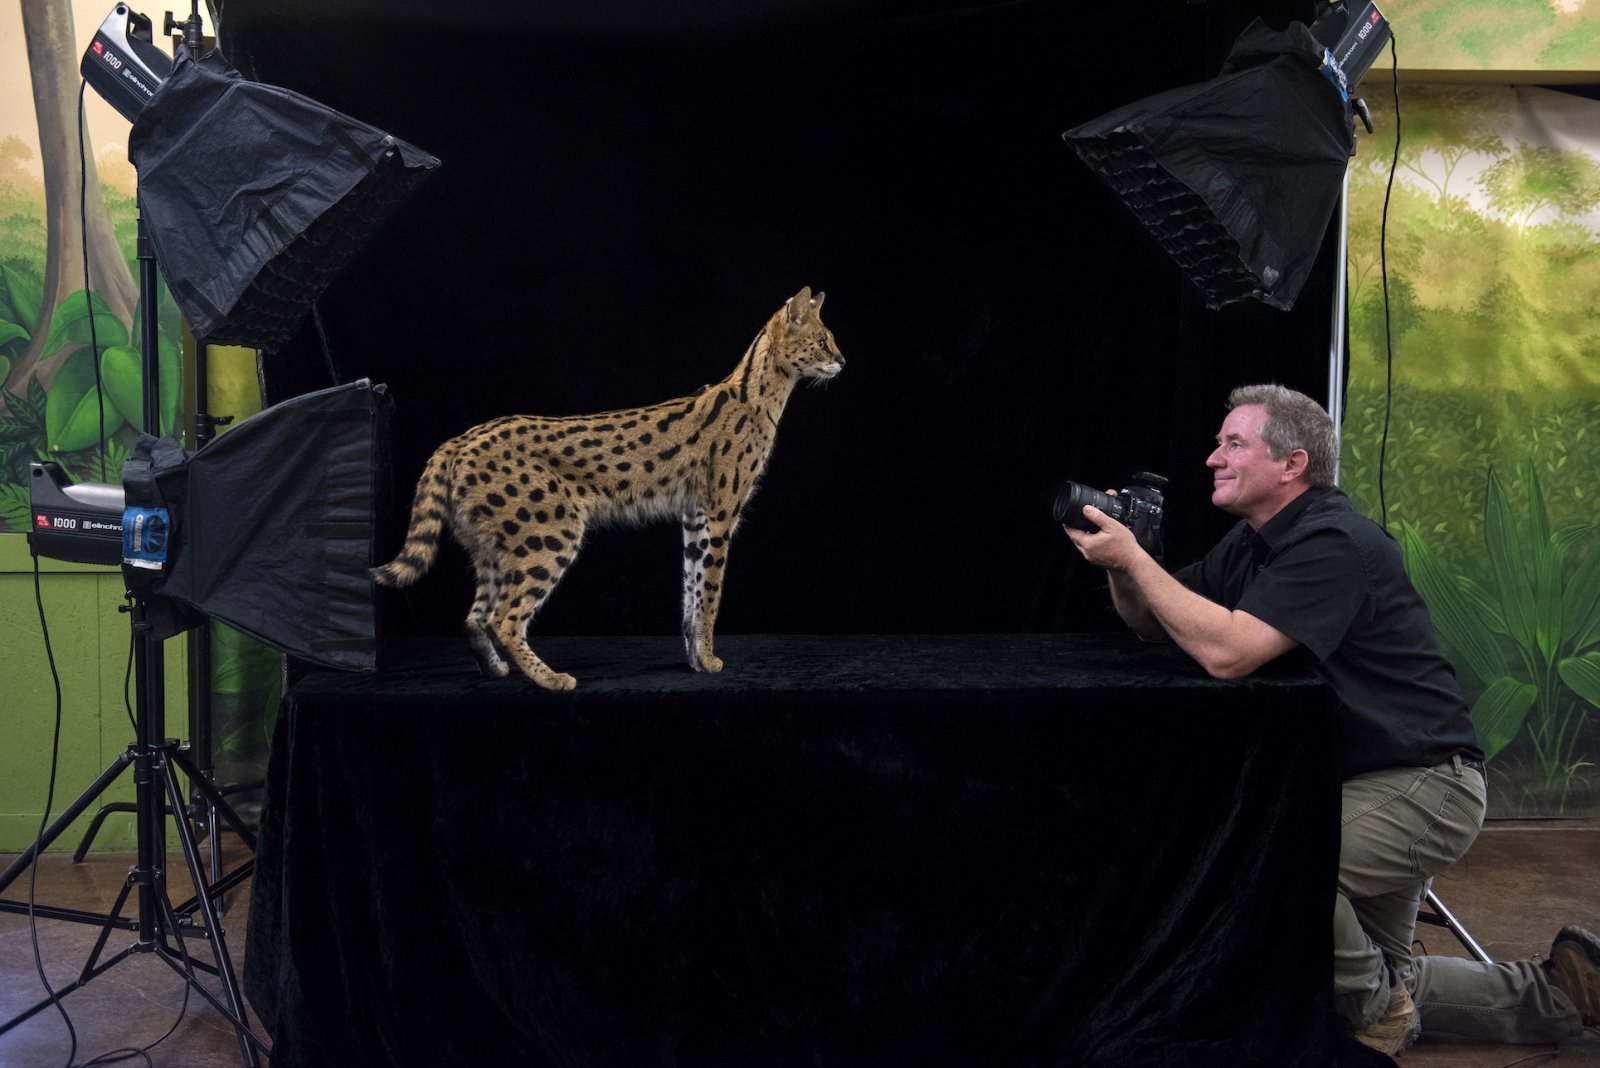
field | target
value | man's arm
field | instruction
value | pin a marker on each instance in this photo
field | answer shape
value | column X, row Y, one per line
column 1227, row 643
column 1130, row 603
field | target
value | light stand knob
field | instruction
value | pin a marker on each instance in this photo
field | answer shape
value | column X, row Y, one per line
column 193, row 29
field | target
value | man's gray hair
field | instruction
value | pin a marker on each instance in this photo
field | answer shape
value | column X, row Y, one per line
column 1294, row 421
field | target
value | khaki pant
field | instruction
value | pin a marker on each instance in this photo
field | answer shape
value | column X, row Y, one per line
column 1402, row 826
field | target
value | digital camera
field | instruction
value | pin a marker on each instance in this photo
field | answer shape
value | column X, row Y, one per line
column 1136, row 506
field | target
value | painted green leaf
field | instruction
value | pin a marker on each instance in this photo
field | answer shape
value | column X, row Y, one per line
column 170, row 355
column 13, row 339
column 241, row 664
column 20, row 298
column 1509, row 560
column 70, row 325
column 1547, row 553
column 122, row 372
column 29, row 407
column 15, row 506
column 1581, row 600
column 72, row 411
column 123, row 377
column 1582, row 673
column 241, row 739
column 1547, row 628
column 1460, row 624
column 5, row 368
column 1499, row 714
column 1537, row 517
column 1571, row 535
column 1483, row 604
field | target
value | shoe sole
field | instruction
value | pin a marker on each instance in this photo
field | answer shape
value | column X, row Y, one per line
column 1582, row 939
column 1573, row 941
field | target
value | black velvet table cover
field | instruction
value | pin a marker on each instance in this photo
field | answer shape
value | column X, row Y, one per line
column 882, row 850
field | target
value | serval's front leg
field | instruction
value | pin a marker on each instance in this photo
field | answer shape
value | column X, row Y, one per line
column 705, row 552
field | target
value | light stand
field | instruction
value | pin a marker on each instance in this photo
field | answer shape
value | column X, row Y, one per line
column 268, row 529
column 1336, row 335
column 201, row 735
column 201, row 723
column 163, row 929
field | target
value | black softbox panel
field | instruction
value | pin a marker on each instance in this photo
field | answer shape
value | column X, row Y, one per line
column 255, row 196
column 272, row 523
column 1236, row 177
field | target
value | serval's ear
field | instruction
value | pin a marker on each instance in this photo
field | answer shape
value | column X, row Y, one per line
column 798, row 305
column 816, row 301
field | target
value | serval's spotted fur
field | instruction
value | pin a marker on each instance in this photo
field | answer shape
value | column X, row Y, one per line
column 519, row 492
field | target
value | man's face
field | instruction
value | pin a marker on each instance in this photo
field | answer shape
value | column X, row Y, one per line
column 1245, row 480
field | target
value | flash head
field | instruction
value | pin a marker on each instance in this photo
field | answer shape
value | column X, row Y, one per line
column 123, row 62
column 78, row 522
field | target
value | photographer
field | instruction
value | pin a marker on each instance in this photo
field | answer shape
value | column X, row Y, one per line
column 1304, row 570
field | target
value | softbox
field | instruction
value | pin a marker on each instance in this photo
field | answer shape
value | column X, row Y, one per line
column 255, row 196
column 269, row 528
column 1236, row 177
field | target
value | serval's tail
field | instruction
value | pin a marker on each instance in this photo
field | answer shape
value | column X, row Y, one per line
column 430, row 513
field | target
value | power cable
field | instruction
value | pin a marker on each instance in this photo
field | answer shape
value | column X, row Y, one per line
column 127, row 1053
column 1383, row 267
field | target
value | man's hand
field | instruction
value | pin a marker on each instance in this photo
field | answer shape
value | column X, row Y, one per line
column 1112, row 546
column 1227, row 643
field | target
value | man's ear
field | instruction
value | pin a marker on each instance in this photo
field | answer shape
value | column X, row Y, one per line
column 1295, row 465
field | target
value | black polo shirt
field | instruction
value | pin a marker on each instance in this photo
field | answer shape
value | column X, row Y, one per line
column 1332, row 579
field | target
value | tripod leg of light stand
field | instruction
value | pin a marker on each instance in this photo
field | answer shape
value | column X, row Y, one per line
column 219, row 807
column 201, row 711
column 201, row 740
column 91, row 966
column 234, row 1010
column 1443, row 917
column 165, row 919
column 94, row 828
column 90, row 971
column 156, row 785
column 215, row 799
column 59, row 827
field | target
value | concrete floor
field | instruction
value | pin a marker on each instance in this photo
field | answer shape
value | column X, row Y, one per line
column 135, row 1002
column 1519, row 884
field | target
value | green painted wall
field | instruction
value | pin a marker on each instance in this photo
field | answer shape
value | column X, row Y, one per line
column 90, row 639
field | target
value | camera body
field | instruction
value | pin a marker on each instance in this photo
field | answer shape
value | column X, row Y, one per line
column 1136, row 506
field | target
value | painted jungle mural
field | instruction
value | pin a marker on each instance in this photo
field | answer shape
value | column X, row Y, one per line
column 1493, row 447
column 1496, row 35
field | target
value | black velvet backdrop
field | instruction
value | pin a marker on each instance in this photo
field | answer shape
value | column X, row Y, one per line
column 627, row 194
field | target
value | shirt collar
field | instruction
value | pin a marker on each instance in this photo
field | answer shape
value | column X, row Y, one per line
column 1273, row 530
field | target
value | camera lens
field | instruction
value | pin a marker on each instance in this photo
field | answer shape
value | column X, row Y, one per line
column 1072, row 496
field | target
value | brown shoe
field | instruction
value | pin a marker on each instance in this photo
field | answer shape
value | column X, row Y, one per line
column 1396, row 1029
column 1574, row 968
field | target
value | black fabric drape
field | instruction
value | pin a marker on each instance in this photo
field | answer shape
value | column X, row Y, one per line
column 273, row 525
column 1237, row 176
column 629, row 190
column 845, row 850
column 256, row 196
